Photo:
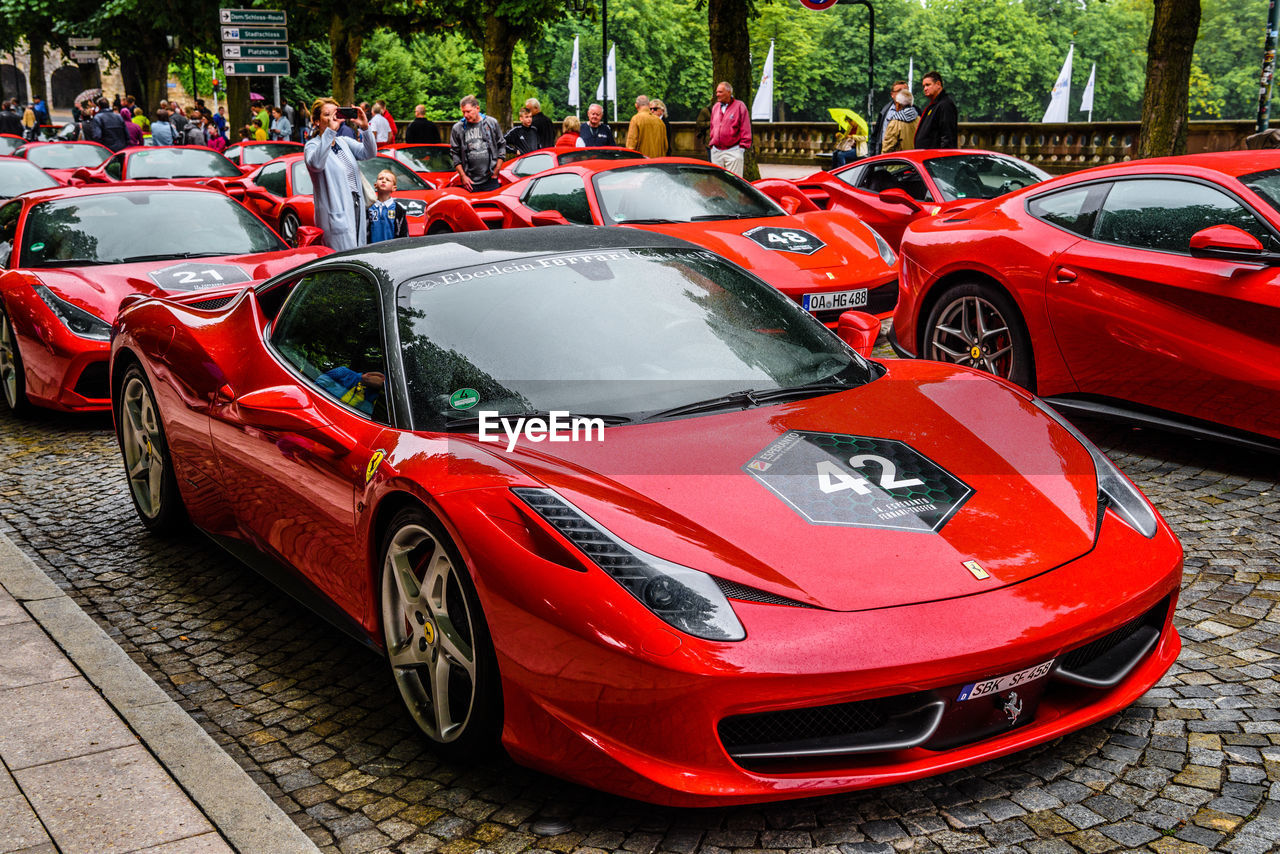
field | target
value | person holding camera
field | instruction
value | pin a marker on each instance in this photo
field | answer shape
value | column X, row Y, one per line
column 331, row 162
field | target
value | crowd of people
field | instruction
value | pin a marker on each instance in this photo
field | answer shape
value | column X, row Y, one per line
column 901, row 126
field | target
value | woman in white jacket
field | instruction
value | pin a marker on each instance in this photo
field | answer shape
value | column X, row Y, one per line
column 331, row 161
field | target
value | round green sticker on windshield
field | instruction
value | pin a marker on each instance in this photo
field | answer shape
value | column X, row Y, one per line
column 464, row 398
column 36, row 247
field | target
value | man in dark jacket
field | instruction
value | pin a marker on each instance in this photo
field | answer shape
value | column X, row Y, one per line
column 10, row 121
column 108, row 128
column 422, row 129
column 939, row 122
column 542, row 124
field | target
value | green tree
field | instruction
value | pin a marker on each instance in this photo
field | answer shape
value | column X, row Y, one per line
column 1169, row 60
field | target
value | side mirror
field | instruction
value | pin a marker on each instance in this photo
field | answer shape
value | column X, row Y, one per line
column 896, row 196
column 82, row 175
column 288, row 409
column 549, row 218
column 859, row 330
column 309, row 235
column 790, row 204
column 1229, row 243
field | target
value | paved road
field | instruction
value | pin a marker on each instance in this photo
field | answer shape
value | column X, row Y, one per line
column 1193, row 766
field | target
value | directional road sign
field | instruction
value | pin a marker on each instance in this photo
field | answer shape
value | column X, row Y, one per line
column 261, row 17
column 255, row 34
column 256, row 69
column 84, row 42
column 255, row 51
column 85, row 55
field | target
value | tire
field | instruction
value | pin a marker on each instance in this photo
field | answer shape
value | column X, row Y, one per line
column 439, row 228
column 289, row 228
column 153, row 486
column 979, row 326
column 438, row 642
column 13, row 377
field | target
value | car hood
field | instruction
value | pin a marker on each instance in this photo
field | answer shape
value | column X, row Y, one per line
column 847, row 244
column 99, row 289
column 740, row 494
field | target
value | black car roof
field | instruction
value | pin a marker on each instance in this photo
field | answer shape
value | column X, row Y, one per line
column 400, row 260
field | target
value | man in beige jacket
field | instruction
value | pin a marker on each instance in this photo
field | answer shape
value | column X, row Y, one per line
column 646, row 133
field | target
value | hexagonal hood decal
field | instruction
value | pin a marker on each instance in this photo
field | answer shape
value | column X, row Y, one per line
column 859, row 481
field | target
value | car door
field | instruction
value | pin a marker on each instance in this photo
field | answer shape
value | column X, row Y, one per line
column 270, row 182
column 1139, row 319
column 887, row 218
column 294, row 485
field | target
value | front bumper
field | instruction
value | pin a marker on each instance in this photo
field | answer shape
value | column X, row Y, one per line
column 598, row 691
column 63, row 371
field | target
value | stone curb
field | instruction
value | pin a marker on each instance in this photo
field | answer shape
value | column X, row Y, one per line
column 249, row 820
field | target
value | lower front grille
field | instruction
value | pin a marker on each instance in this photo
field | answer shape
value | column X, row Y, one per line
column 867, row 726
column 92, row 383
column 1106, row 661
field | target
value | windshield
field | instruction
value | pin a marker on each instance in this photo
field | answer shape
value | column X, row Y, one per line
column 424, row 158
column 607, row 332
column 599, row 154
column 980, row 176
column 406, row 178
column 252, row 155
column 66, row 155
column 671, row 193
column 115, row 228
column 180, row 163
column 10, row 144
column 19, row 176
column 1266, row 184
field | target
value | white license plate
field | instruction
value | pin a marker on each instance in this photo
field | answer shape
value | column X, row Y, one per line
column 1000, row 684
column 835, row 299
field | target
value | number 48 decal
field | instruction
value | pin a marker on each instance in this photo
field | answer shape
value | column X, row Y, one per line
column 831, row 478
column 786, row 237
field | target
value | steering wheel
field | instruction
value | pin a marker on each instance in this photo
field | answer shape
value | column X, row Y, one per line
column 1012, row 184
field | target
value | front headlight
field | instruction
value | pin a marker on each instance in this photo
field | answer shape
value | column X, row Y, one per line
column 79, row 321
column 1120, row 495
column 682, row 597
column 886, row 251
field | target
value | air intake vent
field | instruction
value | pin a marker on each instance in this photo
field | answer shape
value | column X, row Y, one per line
column 734, row 590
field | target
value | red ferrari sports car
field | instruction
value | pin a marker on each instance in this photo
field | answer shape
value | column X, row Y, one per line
column 62, row 159
column 549, row 158
column 69, row 256
column 827, row 261
column 609, row 499
column 19, row 176
column 1146, row 289
column 890, row 191
column 175, row 164
column 257, row 153
column 280, row 192
column 432, row 161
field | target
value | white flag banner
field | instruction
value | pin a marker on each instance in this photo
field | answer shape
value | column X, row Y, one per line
column 611, row 75
column 574, row 99
column 762, row 106
column 1058, row 107
column 911, row 73
column 1086, row 100
column 600, row 90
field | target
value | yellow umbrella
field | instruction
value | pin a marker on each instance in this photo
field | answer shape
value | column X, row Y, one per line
column 841, row 115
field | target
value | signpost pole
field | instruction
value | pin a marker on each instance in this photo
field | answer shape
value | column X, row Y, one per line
column 1268, row 67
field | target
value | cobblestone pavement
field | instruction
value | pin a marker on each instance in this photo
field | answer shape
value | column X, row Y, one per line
column 314, row 718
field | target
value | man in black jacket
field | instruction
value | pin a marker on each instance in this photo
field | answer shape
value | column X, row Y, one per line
column 542, row 124
column 107, row 127
column 939, row 123
column 10, row 121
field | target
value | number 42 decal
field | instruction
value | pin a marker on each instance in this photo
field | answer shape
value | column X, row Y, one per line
column 831, row 478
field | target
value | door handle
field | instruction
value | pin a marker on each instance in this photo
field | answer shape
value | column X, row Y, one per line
column 1062, row 275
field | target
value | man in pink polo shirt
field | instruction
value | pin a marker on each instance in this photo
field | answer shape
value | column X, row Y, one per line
column 730, row 130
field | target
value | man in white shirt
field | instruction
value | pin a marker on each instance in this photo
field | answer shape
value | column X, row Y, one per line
column 379, row 126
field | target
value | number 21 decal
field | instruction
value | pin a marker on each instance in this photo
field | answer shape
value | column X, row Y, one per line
column 831, row 478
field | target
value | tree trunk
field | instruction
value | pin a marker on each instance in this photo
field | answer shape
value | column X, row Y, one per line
column 151, row 71
column 38, row 88
column 730, row 47
column 499, row 44
column 1169, row 54
column 345, row 42
column 237, row 106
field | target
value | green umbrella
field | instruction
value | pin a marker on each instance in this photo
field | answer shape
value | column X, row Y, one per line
column 840, row 115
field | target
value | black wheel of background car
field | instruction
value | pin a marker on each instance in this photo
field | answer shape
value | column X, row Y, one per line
column 152, row 482
column 439, row 228
column 289, row 228
column 978, row 325
column 12, row 377
column 437, row 640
